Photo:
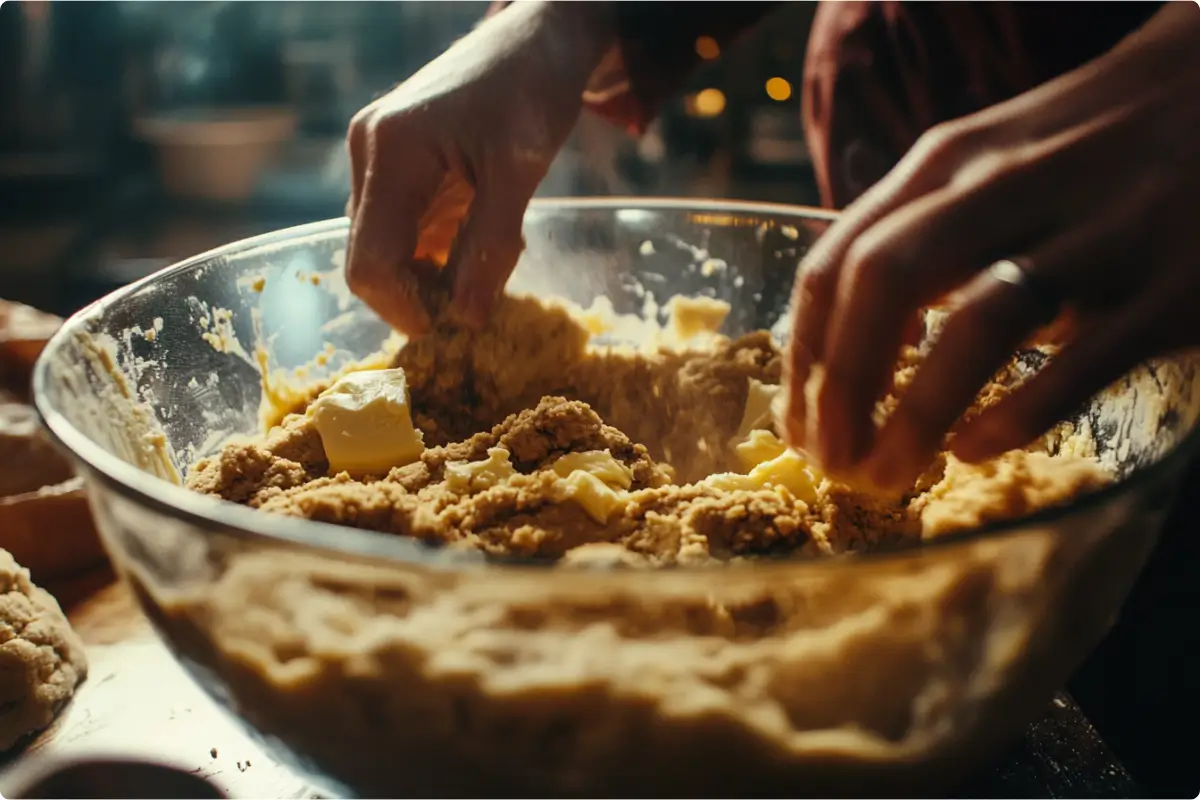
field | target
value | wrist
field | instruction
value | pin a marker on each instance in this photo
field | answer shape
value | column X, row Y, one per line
column 581, row 39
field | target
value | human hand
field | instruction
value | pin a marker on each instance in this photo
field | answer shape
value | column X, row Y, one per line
column 1085, row 185
column 444, row 165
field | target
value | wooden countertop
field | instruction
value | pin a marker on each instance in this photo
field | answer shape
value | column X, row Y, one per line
column 138, row 702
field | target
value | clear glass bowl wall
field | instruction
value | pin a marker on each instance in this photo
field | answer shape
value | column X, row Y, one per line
column 886, row 672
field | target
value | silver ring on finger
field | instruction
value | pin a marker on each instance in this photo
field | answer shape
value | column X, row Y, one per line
column 1020, row 273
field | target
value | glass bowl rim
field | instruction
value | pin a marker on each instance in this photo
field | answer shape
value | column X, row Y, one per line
column 216, row 515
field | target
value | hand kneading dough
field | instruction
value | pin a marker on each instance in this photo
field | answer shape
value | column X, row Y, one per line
column 41, row 657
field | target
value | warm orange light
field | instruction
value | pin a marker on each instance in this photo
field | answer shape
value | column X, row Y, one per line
column 708, row 103
column 779, row 89
column 707, row 48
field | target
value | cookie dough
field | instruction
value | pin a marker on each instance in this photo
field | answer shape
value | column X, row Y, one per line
column 589, row 679
column 530, row 440
column 41, row 657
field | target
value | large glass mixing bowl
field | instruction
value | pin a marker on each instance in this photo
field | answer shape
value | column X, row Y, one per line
column 383, row 667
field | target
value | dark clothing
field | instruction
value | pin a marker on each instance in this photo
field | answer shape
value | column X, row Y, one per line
column 877, row 74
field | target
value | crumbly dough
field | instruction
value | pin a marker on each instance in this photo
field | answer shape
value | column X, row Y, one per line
column 402, row 679
column 41, row 657
column 533, row 386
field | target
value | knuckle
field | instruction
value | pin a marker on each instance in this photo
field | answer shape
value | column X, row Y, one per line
column 814, row 283
column 871, row 263
column 361, row 124
column 356, row 141
column 358, row 277
column 996, row 168
column 946, row 146
column 939, row 144
column 371, row 125
column 361, row 271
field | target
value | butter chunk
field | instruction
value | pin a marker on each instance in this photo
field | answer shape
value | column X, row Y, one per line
column 763, row 401
column 595, row 480
column 758, row 448
column 596, row 497
column 783, row 467
column 365, row 423
column 475, row 476
column 596, row 462
column 695, row 316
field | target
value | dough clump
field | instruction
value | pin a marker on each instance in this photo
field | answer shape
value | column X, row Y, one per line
column 41, row 658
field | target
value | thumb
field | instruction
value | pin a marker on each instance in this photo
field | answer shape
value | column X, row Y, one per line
column 488, row 247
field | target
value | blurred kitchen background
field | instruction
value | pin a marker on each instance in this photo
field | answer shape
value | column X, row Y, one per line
column 134, row 134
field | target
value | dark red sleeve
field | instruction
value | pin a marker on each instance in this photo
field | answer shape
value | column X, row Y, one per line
column 878, row 74
column 656, row 53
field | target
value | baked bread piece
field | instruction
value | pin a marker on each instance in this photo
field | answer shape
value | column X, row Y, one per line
column 27, row 459
column 24, row 331
column 45, row 522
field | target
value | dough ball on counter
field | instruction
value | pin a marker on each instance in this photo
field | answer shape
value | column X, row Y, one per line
column 41, row 657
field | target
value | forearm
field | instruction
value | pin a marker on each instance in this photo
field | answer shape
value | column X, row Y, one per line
column 1173, row 29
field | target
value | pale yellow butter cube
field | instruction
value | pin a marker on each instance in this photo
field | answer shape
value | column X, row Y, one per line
column 365, row 423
